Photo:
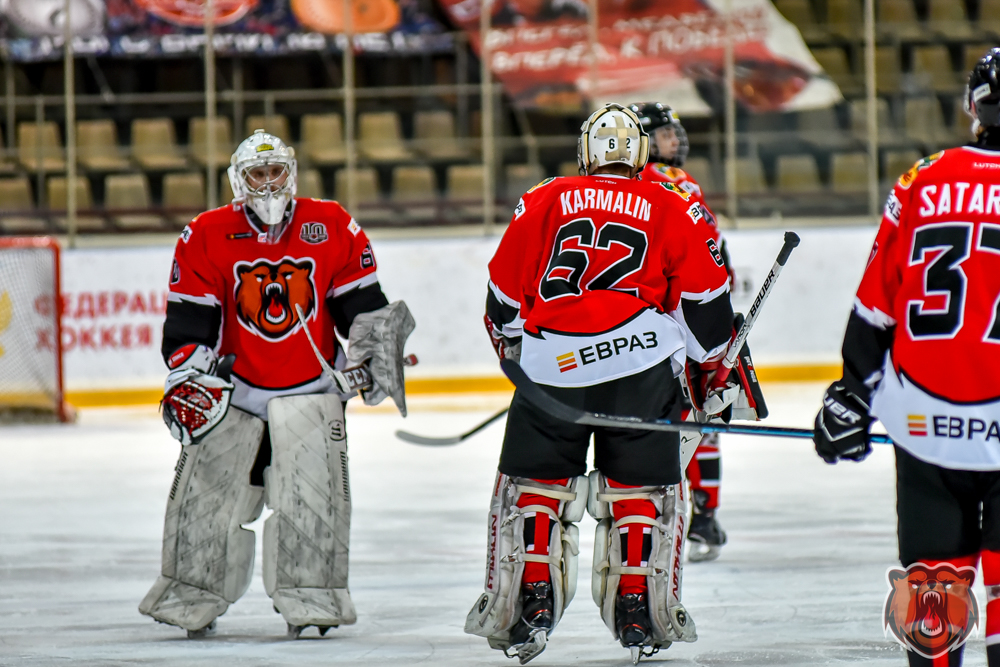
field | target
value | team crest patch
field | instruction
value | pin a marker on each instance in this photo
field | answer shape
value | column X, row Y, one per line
column 677, row 191
column 267, row 293
column 906, row 180
column 542, row 184
column 930, row 610
column 673, row 173
column 265, row 147
column 313, row 232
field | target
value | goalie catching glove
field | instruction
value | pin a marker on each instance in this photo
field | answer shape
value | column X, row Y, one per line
column 842, row 426
column 197, row 392
column 379, row 336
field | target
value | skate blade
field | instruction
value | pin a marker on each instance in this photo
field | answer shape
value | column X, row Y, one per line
column 295, row 631
column 206, row 631
column 531, row 648
column 702, row 553
column 641, row 652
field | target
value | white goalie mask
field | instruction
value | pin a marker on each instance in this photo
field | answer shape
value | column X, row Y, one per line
column 263, row 174
column 612, row 135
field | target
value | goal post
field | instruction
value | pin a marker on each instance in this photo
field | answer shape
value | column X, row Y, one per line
column 31, row 350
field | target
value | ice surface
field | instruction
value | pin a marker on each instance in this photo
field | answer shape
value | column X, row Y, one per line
column 801, row 582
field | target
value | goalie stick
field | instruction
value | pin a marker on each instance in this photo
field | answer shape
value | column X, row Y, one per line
column 415, row 439
column 534, row 394
column 350, row 379
column 791, row 242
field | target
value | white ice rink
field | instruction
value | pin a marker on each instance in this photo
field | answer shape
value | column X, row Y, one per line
column 801, row 582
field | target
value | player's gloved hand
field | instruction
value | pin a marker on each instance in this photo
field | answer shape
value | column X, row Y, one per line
column 842, row 426
column 505, row 348
column 719, row 395
column 194, row 399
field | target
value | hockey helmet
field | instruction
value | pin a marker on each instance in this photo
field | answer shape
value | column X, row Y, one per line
column 612, row 135
column 982, row 94
column 263, row 173
column 652, row 117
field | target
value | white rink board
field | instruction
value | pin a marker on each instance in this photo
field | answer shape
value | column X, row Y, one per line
column 115, row 299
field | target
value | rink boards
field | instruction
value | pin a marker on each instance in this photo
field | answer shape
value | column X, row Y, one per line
column 114, row 302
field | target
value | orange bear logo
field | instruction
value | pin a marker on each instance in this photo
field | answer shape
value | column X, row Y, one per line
column 266, row 295
column 931, row 609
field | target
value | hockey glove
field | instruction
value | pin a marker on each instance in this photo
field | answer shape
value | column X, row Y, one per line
column 708, row 396
column 842, row 426
column 194, row 399
column 504, row 347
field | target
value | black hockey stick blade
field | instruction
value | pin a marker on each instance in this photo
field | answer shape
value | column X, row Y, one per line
column 415, row 439
column 540, row 398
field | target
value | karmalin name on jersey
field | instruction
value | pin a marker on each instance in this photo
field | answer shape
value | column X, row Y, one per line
column 953, row 428
column 574, row 201
column 605, row 349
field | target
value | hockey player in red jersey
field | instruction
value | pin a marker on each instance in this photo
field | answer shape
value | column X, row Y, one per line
column 668, row 149
column 602, row 286
column 247, row 279
column 920, row 355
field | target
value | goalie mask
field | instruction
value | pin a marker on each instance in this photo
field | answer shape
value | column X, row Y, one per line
column 263, row 172
column 982, row 94
column 668, row 141
column 612, row 135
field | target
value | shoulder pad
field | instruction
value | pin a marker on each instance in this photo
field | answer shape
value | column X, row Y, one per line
column 906, row 180
column 676, row 190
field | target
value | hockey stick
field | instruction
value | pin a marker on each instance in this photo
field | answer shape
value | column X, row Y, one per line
column 540, row 398
column 415, row 439
column 350, row 379
column 791, row 242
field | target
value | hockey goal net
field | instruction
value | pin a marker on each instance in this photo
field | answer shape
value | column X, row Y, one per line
column 31, row 363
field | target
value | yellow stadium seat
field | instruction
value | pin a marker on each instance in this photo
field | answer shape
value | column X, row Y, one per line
column 380, row 137
column 129, row 194
column 58, row 200
column 154, row 144
column 797, row 174
column 223, row 147
column 40, row 147
column 323, row 139
column 97, row 146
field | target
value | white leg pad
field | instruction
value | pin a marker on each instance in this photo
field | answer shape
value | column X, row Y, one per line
column 498, row 609
column 670, row 622
column 208, row 556
column 307, row 539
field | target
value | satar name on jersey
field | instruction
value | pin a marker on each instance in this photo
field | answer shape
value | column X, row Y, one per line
column 959, row 198
column 574, row 201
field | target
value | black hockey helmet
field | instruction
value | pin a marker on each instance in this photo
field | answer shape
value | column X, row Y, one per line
column 653, row 116
column 982, row 94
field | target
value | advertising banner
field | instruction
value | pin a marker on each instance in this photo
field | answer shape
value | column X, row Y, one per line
column 32, row 30
column 669, row 51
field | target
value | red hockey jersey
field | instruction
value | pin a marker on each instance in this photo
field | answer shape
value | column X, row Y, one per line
column 222, row 263
column 931, row 292
column 588, row 269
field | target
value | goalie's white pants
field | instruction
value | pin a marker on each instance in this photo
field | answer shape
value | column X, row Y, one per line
column 208, row 556
column 663, row 571
column 498, row 609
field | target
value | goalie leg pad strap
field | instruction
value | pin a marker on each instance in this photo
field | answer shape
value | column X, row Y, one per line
column 307, row 539
column 669, row 620
column 498, row 609
column 207, row 554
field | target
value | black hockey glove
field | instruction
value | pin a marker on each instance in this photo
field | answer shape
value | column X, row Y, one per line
column 842, row 426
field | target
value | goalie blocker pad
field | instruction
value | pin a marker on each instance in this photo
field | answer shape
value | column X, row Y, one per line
column 670, row 621
column 207, row 554
column 498, row 608
column 750, row 405
column 307, row 539
column 380, row 336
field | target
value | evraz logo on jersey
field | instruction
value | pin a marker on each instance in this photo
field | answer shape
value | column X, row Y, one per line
column 953, row 428
column 267, row 292
column 605, row 349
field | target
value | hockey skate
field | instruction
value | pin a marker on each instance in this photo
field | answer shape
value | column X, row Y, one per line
column 530, row 633
column 295, row 631
column 633, row 625
column 705, row 536
column 206, row 631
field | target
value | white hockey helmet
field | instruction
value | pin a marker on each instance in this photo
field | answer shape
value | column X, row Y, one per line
column 612, row 135
column 263, row 173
